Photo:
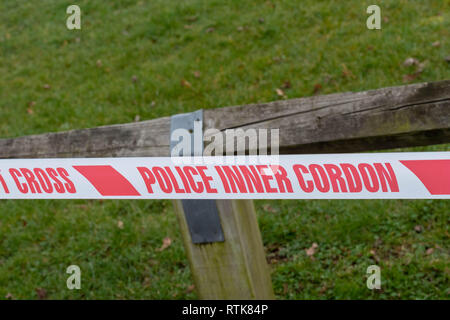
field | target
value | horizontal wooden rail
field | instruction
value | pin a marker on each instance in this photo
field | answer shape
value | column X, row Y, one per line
column 405, row 116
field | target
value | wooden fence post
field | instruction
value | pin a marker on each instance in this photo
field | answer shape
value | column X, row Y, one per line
column 230, row 264
column 235, row 268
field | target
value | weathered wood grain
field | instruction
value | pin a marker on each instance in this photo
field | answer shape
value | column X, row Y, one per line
column 235, row 268
column 405, row 116
column 145, row 138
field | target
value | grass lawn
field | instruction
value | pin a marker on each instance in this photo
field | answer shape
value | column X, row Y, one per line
column 146, row 59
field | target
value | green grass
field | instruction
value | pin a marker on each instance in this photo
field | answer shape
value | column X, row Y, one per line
column 242, row 51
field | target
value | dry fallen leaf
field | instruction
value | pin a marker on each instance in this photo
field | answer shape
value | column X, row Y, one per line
column 278, row 59
column 185, row 83
column 280, row 92
column 374, row 255
column 410, row 77
column 421, row 67
column 269, row 208
column 146, row 282
column 286, row 85
column 436, row 44
column 317, row 88
column 41, row 293
column 346, row 72
column 410, row 62
column 166, row 243
column 190, row 288
column 153, row 262
column 120, row 224
column 191, row 18
column 323, row 289
column 311, row 251
column 270, row 4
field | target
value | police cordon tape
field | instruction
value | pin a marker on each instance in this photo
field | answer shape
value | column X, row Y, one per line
column 416, row 175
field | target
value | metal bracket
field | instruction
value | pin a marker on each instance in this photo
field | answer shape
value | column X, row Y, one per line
column 203, row 220
column 202, row 215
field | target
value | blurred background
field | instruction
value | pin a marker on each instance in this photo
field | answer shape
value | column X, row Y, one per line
column 137, row 60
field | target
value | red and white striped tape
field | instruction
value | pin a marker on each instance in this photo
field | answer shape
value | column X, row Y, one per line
column 332, row 176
